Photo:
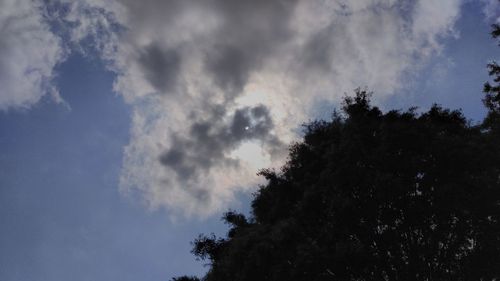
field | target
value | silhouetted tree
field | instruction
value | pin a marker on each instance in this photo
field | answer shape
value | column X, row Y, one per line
column 492, row 89
column 373, row 196
column 186, row 278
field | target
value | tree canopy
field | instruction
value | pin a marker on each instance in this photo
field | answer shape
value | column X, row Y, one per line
column 370, row 195
column 492, row 89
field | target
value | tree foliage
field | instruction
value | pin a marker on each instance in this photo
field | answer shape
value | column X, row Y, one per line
column 492, row 89
column 185, row 278
column 374, row 196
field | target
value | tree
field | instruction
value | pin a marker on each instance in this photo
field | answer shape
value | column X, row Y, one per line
column 373, row 196
column 492, row 99
column 185, row 278
column 492, row 90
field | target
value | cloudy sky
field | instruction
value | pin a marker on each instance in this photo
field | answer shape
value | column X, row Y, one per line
column 127, row 127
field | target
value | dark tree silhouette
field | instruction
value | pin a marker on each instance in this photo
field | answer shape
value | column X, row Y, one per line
column 374, row 196
column 186, row 278
column 492, row 89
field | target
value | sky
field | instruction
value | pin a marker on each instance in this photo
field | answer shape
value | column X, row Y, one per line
column 128, row 127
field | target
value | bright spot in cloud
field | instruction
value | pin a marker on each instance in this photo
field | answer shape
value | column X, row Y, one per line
column 252, row 154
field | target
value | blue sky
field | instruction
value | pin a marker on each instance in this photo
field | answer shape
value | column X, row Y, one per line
column 62, row 214
column 90, row 188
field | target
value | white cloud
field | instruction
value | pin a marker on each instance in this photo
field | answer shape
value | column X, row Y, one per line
column 29, row 51
column 186, row 63
column 209, row 79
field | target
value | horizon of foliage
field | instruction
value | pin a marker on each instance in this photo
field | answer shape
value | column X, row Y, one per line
column 370, row 195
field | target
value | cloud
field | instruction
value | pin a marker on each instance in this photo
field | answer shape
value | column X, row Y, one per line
column 491, row 9
column 218, row 87
column 39, row 35
column 210, row 79
column 209, row 142
column 160, row 67
column 29, row 51
column 189, row 160
column 250, row 32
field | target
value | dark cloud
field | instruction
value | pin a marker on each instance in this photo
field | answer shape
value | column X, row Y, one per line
column 176, row 159
column 251, row 32
column 230, row 67
column 251, row 123
column 209, row 142
column 161, row 66
column 317, row 51
column 248, row 33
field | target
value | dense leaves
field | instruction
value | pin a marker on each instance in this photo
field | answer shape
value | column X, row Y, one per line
column 374, row 196
column 492, row 90
column 186, row 278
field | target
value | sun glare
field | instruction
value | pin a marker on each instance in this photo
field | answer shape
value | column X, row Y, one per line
column 253, row 155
